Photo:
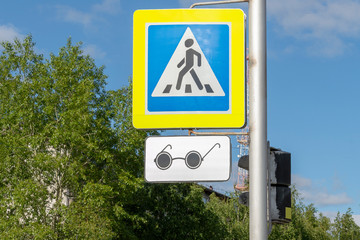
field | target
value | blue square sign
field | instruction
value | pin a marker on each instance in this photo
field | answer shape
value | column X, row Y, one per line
column 188, row 67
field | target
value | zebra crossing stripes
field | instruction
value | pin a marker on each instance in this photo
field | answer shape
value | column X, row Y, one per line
column 188, row 88
column 167, row 89
column 208, row 88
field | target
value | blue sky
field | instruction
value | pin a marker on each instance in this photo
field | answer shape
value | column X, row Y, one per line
column 313, row 77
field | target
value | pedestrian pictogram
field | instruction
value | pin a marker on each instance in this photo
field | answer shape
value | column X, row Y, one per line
column 188, row 72
column 189, row 65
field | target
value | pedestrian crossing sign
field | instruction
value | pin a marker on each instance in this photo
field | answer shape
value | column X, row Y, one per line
column 189, row 69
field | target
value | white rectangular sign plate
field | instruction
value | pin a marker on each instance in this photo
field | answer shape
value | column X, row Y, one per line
column 187, row 159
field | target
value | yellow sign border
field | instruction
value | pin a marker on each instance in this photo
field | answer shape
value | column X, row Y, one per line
column 237, row 116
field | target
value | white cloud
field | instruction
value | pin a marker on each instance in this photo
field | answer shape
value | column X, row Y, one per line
column 9, row 33
column 91, row 17
column 299, row 181
column 94, row 51
column 320, row 196
column 108, row 6
column 330, row 214
column 357, row 219
column 325, row 198
column 337, row 183
column 323, row 24
column 69, row 14
column 186, row 3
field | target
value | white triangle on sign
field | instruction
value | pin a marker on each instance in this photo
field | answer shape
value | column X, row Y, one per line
column 186, row 74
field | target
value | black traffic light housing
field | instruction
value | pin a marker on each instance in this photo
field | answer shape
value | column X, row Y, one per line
column 279, row 180
column 244, row 163
column 279, row 171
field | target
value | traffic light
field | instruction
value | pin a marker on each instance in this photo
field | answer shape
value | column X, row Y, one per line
column 279, row 180
column 244, row 163
column 279, row 175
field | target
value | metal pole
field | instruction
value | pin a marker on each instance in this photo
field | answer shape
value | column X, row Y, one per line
column 257, row 120
column 216, row 3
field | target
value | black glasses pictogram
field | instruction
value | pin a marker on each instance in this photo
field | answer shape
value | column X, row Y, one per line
column 192, row 159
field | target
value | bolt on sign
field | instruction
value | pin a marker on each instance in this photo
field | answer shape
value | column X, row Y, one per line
column 189, row 69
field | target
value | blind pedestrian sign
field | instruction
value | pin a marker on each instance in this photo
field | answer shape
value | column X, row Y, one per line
column 187, row 158
column 189, row 69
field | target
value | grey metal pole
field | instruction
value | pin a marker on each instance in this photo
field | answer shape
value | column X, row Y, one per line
column 257, row 120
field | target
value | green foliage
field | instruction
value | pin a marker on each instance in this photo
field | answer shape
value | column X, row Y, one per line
column 71, row 164
column 55, row 135
column 232, row 214
column 91, row 214
column 345, row 227
column 56, row 143
column 305, row 224
column 131, row 141
column 176, row 211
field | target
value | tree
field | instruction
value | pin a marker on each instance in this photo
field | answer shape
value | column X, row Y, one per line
column 344, row 227
column 304, row 225
column 232, row 214
column 55, row 137
column 177, row 211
